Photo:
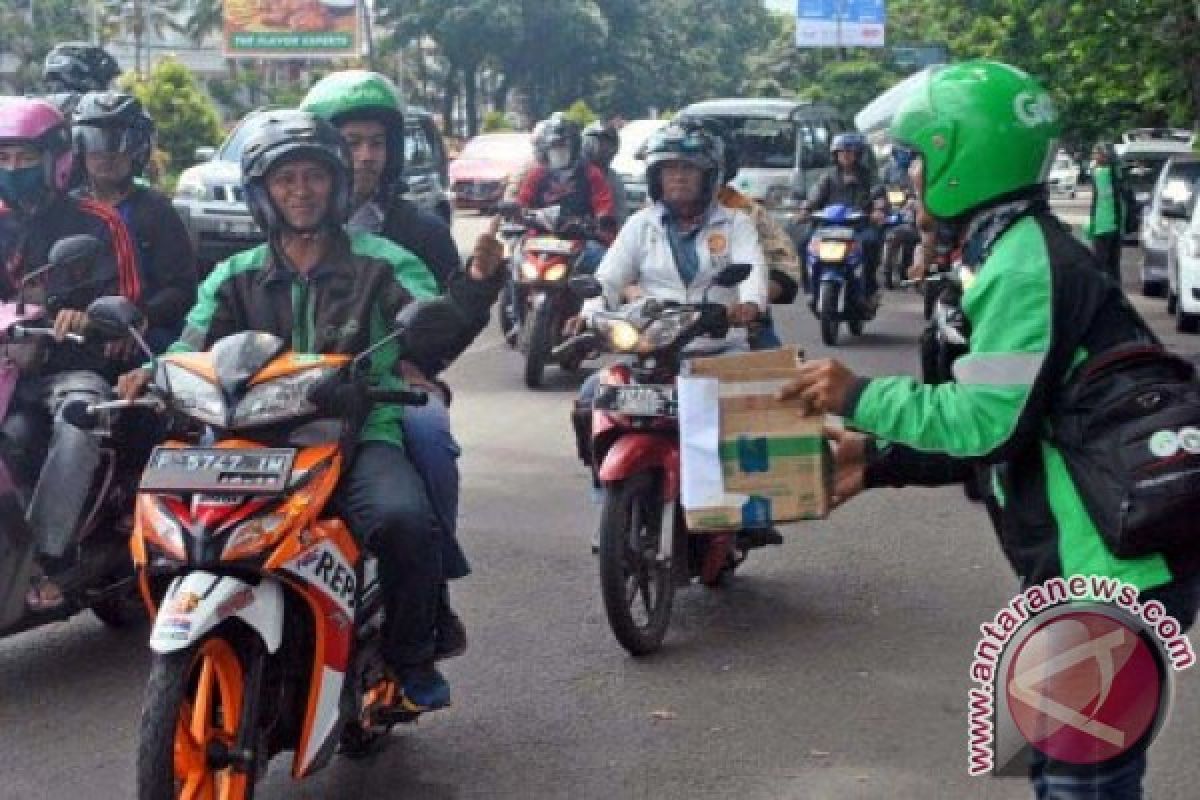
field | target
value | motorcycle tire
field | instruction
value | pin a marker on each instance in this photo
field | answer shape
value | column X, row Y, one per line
column 506, row 321
column 168, row 756
column 629, row 540
column 889, row 249
column 931, row 296
column 538, row 344
column 827, row 311
column 856, row 326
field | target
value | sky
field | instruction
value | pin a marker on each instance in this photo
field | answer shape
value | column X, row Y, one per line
column 780, row 5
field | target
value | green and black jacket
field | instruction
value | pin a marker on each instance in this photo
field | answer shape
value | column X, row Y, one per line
column 1036, row 309
column 342, row 306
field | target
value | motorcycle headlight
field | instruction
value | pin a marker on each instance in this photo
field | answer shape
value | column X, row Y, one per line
column 277, row 400
column 555, row 273
column 665, row 330
column 250, row 537
column 194, row 396
column 164, row 531
column 622, row 336
column 896, row 198
column 529, row 271
column 832, row 250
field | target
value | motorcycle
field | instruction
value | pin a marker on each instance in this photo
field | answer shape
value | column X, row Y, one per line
column 549, row 254
column 630, row 440
column 900, row 237
column 89, row 565
column 267, row 612
column 506, row 310
column 836, row 261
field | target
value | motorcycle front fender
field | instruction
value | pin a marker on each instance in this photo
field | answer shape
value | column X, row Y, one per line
column 640, row 452
column 199, row 601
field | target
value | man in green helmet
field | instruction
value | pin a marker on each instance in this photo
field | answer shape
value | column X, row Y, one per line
column 980, row 137
column 365, row 108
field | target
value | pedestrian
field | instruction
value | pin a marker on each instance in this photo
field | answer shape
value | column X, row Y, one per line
column 1105, row 222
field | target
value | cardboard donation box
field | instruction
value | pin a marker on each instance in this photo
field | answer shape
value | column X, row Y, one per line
column 749, row 460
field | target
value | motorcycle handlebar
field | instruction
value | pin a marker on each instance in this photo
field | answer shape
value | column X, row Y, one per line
column 18, row 332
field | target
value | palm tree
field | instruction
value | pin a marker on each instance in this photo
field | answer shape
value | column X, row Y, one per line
column 134, row 17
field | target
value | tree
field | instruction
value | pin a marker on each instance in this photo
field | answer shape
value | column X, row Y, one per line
column 29, row 33
column 184, row 116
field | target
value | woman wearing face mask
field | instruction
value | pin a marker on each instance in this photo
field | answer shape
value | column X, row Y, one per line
column 562, row 178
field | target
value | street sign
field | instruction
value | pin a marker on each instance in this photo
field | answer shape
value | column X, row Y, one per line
column 840, row 23
column 292, row 29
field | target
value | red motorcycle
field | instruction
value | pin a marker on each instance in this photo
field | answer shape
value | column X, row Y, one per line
column 630, row 438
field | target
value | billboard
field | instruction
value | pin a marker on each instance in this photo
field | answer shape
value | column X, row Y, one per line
column 291, row 28
column 840, row 23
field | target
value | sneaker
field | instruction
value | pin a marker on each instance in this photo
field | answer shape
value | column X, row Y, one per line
column 423, row 689
column 450, row 639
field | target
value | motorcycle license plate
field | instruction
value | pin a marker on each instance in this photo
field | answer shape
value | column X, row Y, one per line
column 832, row 251
column 218, row 470
column 551, row 245
column 638, row 401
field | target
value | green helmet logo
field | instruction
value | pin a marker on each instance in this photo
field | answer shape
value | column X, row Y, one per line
column 984, row 130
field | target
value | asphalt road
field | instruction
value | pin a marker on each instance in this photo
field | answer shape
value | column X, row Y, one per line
column 835, row 666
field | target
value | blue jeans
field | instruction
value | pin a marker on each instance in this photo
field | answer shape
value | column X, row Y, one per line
column 589, row 260
column 1113, row 783
column 433, row 451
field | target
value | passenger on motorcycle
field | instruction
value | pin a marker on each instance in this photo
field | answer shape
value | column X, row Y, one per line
column 38, row 445
column 365, row 108
column 113, row 138
column 316, row 286
column 851, row 184
column 561, row 177
column 73, row 68
column 777, row 246
column 600, row 144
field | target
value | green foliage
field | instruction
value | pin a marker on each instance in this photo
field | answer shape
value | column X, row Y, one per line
column 185, row 117
column 28, row 33
column 581, row 114
column 494, row 121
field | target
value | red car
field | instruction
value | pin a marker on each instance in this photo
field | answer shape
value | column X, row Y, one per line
column 482, row 170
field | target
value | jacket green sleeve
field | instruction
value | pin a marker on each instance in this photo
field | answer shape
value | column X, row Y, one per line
column 996, row 401
column 411, row 272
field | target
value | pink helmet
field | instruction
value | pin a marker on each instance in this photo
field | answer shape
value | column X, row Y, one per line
column 27, row 120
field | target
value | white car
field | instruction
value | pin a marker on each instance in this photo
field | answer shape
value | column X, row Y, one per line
column 633, row 136
column 1183, row 261
column 1175, row 184
column 1064, row 176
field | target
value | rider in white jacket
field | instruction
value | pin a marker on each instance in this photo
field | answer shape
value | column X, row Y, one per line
column 673, row 249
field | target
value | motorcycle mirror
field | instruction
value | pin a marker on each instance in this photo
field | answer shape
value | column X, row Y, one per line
column 114, row 317
column 585, row 286
column 421, row 326
column 732, row 275
column 74, row 250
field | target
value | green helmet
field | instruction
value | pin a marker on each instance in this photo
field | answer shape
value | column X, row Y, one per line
column 357, row 94
column 984, row 130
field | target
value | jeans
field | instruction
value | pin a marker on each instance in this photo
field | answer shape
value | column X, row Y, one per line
column 1054, row 780
column 433, row 451
column 383, row 501
column 590, row 258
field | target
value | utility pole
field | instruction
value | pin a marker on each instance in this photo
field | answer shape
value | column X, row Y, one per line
column 368, row 33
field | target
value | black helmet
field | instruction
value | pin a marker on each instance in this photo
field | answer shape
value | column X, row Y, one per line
column 693, row 145
column 79, row 67
column 850, row 142
column 113, row 122
column 554, row 131
column 276, row 137
column 596, row 134
column 730, row 160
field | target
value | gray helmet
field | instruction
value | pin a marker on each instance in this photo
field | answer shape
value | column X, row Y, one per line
column 730, row 160
column 278, row 137
column 79, row 67
column 554, row 131
column 113, row 122
column 594, row 136
column 692, row 145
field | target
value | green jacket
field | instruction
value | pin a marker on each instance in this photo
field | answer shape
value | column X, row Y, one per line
column 342, row 306
column 1106, row 213
column 1027, row 311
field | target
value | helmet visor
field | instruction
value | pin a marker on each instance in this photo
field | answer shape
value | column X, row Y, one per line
column 91, row 139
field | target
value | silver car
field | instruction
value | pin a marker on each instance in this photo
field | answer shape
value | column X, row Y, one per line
column 209, row 196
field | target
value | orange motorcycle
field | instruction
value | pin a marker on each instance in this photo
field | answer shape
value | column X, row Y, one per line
column 268, row 613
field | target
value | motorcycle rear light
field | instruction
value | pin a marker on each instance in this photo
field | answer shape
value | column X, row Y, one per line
column 555, row 273
column 832, row 251
column 529, row 271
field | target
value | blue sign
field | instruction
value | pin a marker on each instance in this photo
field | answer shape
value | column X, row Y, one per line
column 840, row 23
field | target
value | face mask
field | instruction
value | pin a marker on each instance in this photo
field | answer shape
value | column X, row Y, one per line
column 22, row 187
column 559, row 157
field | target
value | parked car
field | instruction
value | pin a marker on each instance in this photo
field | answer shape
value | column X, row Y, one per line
column 1179, row 205
column 209, row 195
column 482, row 171
column 783, row 146
column 1064, row 176
column 1176, row 184
column 1141, row 161
column 629, row 163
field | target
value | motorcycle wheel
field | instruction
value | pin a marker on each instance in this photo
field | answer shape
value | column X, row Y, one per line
column 193, row 704
column 538, row 344
column 931, row 296
column 504, row 318
column 637, row 588
column 827, row 310
column 889, row 249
